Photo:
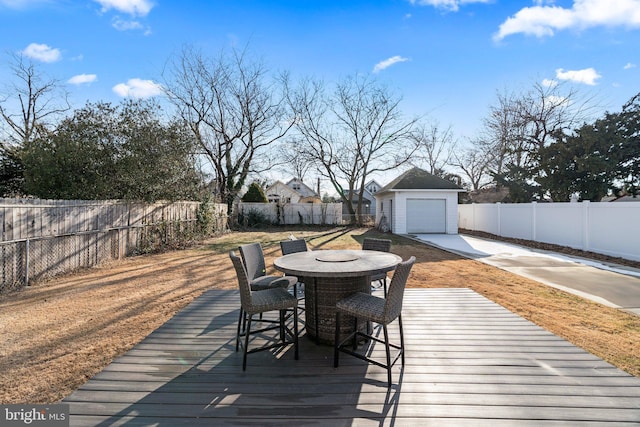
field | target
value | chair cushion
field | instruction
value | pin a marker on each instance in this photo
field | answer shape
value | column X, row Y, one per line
column 271, row 299
column 363, row 306
column 269, row 282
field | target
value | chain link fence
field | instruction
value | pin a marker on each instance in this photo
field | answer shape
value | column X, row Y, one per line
column 28, row 260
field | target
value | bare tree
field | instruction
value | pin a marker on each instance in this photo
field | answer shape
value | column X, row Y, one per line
column 29, row 105
column 234, row 110
column 474, row 163
column 502, row 136
column 549, row 108
column 351, row 133
column 294, row 161
column 436, row 146
column 520, row 124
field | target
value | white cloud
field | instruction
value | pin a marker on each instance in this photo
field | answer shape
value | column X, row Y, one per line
column 587, row 76
column 629, row 66
column 138, row 88
column 82, row 79
column 448, row 5
column 42, row 52
column 549, row 83
column 131, row 7
column 388, row 63
column 122, row 25
column 544, row 20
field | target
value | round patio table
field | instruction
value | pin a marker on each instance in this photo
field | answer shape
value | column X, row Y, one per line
column 329, row 276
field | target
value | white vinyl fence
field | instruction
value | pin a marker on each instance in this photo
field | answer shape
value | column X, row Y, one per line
column 295, row 213
column 607, row 228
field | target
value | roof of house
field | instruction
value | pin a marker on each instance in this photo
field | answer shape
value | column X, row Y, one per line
column 419, row 179
column 356, row 194
column 627, row 198
column 304, row 189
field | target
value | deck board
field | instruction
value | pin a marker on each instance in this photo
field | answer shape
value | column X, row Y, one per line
column 469, row 362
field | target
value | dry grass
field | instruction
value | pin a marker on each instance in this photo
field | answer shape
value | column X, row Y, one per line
column 57, row 335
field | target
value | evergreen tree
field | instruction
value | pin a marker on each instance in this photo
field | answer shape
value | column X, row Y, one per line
column 107, row 152
column 254, row 194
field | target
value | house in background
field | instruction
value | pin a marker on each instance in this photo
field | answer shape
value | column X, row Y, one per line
column 368, row 200
column 294, row 191
column 619, row 199
column 418, row 202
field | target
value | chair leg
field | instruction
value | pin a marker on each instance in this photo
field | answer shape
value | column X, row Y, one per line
column 295, row 331
column 336, row 353
column 246, row 343
column 388, row 350
column 401, row 338
column 240, row 322
column 244, row 321
column 300, row 296
column 282, row 320
column 355, row 336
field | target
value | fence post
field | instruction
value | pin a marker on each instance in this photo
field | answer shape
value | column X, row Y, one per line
column 26, row 262
column 474, row 225
column 534, row 221
column 585, row 224
column 473, row 217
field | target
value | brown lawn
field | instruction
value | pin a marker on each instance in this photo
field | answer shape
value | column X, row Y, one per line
column 57, row 335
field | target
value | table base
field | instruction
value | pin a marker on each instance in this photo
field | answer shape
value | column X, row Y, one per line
column 324, row 293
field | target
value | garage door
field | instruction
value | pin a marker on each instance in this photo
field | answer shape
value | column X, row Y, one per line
column 426, row 216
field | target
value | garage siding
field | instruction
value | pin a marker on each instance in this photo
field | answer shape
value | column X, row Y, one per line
column 384, row 206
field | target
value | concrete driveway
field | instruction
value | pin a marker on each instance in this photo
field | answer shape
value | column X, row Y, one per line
column 609, row 284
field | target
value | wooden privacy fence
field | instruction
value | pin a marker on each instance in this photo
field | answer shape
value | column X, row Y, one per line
column 43, row 238
column 296, row 213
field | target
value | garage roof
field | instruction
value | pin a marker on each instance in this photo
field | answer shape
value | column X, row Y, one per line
column 419, row 179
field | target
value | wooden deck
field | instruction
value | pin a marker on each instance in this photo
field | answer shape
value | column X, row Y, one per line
column 470, row 362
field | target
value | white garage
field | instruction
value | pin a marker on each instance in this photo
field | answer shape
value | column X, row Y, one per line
column 418, row 202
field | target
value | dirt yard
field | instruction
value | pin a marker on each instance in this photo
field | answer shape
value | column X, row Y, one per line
column 57, row 335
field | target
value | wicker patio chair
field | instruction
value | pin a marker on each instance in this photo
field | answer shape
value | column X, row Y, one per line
column 382, row 311
column 253, row 260
column 259, row 302
column 291, row 246
column 382, row 245
column 254, row 263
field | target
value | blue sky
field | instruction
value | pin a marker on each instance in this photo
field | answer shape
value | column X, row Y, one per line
column 447, row 58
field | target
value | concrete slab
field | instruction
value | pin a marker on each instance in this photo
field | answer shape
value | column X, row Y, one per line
column 609, row 284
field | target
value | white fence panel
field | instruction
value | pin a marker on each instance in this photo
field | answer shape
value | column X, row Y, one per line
column 269, row 210
column 297, row 213
column 485, row 217
column 516, row 221
column 563, row 224
column 614, row 230
column 606, row 228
